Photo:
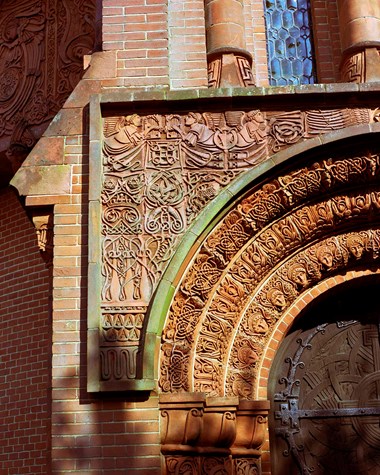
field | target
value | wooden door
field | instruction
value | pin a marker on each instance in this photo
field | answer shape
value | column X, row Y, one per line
column 325, row 388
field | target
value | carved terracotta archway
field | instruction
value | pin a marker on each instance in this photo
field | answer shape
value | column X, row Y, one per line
column 314, row 220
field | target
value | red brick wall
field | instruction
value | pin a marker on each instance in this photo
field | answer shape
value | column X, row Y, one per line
column 91, row 435
column 138, row 30
column 326, row 40
column 162, row 44
column 24, row 345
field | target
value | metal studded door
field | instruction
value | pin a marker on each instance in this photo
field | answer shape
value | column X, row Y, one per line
column 326, row 389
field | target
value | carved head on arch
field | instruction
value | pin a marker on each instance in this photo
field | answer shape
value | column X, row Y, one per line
column 356, row 245
column 298, row 275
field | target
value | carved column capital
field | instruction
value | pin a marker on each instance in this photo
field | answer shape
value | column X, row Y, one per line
column 208, row 432
column 181, row 421
column 360, row 33
column 251, row 426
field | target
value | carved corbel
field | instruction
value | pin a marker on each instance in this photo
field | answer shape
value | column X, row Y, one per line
column 43, row 223
column 181, row 421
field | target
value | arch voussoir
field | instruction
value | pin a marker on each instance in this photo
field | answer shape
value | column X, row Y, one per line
column 277, row 241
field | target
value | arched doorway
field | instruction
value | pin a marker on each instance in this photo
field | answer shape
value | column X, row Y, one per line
column 325, row 386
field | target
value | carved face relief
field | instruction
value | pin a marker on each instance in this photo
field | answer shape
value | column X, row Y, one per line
column 277, row 299
column 325, row 256
column 297, row 273
column 355, row 245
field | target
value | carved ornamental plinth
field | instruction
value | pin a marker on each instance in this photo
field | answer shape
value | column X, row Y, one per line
column 206, row 435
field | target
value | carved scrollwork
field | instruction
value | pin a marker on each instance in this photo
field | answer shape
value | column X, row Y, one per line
column 41, row 51
column 247, row 467
column 286, row 129
column 182, row 465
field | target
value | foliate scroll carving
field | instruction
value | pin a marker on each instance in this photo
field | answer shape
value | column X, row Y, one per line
column 246, row 467
column 41, row 49
column 286, row 129
column 182, row 465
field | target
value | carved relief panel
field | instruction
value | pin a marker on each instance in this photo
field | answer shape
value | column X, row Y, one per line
column 157, row 173
column 42, row 43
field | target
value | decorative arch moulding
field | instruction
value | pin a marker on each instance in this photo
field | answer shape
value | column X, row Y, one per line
column 168, row 173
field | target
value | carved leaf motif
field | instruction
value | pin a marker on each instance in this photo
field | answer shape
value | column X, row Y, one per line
column 246, row 467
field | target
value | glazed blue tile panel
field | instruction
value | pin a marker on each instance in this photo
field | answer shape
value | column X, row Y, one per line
column 290, row 52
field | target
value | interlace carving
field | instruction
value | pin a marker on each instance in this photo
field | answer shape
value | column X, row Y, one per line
column 235, row 314
column 160, row 170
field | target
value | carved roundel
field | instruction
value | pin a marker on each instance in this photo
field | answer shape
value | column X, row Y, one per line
column 278, row 241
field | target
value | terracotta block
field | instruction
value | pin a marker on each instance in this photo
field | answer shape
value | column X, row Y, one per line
column 230, row 35
column 66, row 122
column 40, row 180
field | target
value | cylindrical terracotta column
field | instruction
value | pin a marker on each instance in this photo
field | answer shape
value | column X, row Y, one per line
column 359, row 22
column 228, row 60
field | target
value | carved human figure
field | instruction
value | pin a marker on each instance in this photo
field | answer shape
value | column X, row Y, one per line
column 355, row 245
column 255, row 322
column 325, row 256
column 123, row 132
column 298, row 274
column 254, row 130
column 122, row 137
column 199, row 133
column 247, row 356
